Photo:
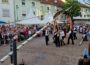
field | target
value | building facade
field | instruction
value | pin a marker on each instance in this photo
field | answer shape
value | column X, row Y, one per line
column 7, row 11
column 41, row 10
column 53, row 2
column 85, row 15
column 58, row 4
column 12, row 11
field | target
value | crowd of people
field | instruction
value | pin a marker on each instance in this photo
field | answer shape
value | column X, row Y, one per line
column 61, row 32
column 22, row 32
column 8, row 32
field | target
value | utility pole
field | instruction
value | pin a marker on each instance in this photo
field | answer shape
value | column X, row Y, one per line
column 14, row 12
column 14, row 52
column 11, row 49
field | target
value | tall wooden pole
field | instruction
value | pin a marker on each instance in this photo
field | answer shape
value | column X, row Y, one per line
column 14, row 52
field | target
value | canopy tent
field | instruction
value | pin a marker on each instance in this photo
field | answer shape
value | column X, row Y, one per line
column 31, row 19
column 48, row 19
column 2, row 22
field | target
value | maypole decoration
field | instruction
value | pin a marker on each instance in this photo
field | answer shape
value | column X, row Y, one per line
column 56, row 19
column 71, row 23
column 55, row 25
column 66, row 25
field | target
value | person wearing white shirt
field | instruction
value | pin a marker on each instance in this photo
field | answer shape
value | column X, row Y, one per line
column 29, row 33
column 46, row 36
column 75, row 31
column 70, row 33
column 62, row 34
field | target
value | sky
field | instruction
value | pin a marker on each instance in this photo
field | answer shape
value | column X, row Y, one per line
column 88, row 1
column 80, row 1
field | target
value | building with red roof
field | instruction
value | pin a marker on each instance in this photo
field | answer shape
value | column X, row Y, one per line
column 53, row 2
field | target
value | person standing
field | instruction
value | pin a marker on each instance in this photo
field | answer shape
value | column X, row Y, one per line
column 58, row 39
column 70, row 33
column 85, row 37
column 75, row 31
column 62, row 34
column 81, row 30
column 46, row 36
column 29, row 33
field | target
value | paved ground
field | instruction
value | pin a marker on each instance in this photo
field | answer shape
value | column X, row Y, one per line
column 37, row 53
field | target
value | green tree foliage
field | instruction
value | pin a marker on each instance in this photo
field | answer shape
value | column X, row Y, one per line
column 74, row 10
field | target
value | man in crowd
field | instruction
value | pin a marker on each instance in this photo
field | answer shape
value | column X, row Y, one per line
column 62, row 34
column 46, row 36
column 70, row 34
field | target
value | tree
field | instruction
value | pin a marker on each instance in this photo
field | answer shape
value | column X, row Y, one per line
column 75, row 9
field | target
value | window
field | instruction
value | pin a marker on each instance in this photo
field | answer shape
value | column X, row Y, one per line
column 34, row 12
column 23, row 2
column 5, row 1
column 47, row 8
column 55, row 1
column 23, row 14
column 5, row 12
column 84, row 15
column 41, row 8
column 41, row 17
column 17, row 6
column 33, row 3
column 46, row 0
column 80, row 15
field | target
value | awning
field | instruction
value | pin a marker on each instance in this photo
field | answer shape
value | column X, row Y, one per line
column 2, row 22
column 31, row 19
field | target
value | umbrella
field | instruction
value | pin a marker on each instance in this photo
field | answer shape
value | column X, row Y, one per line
column 2, row 22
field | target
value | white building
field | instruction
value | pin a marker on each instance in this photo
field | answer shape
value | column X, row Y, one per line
column 85, row 15
column 7, row 11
